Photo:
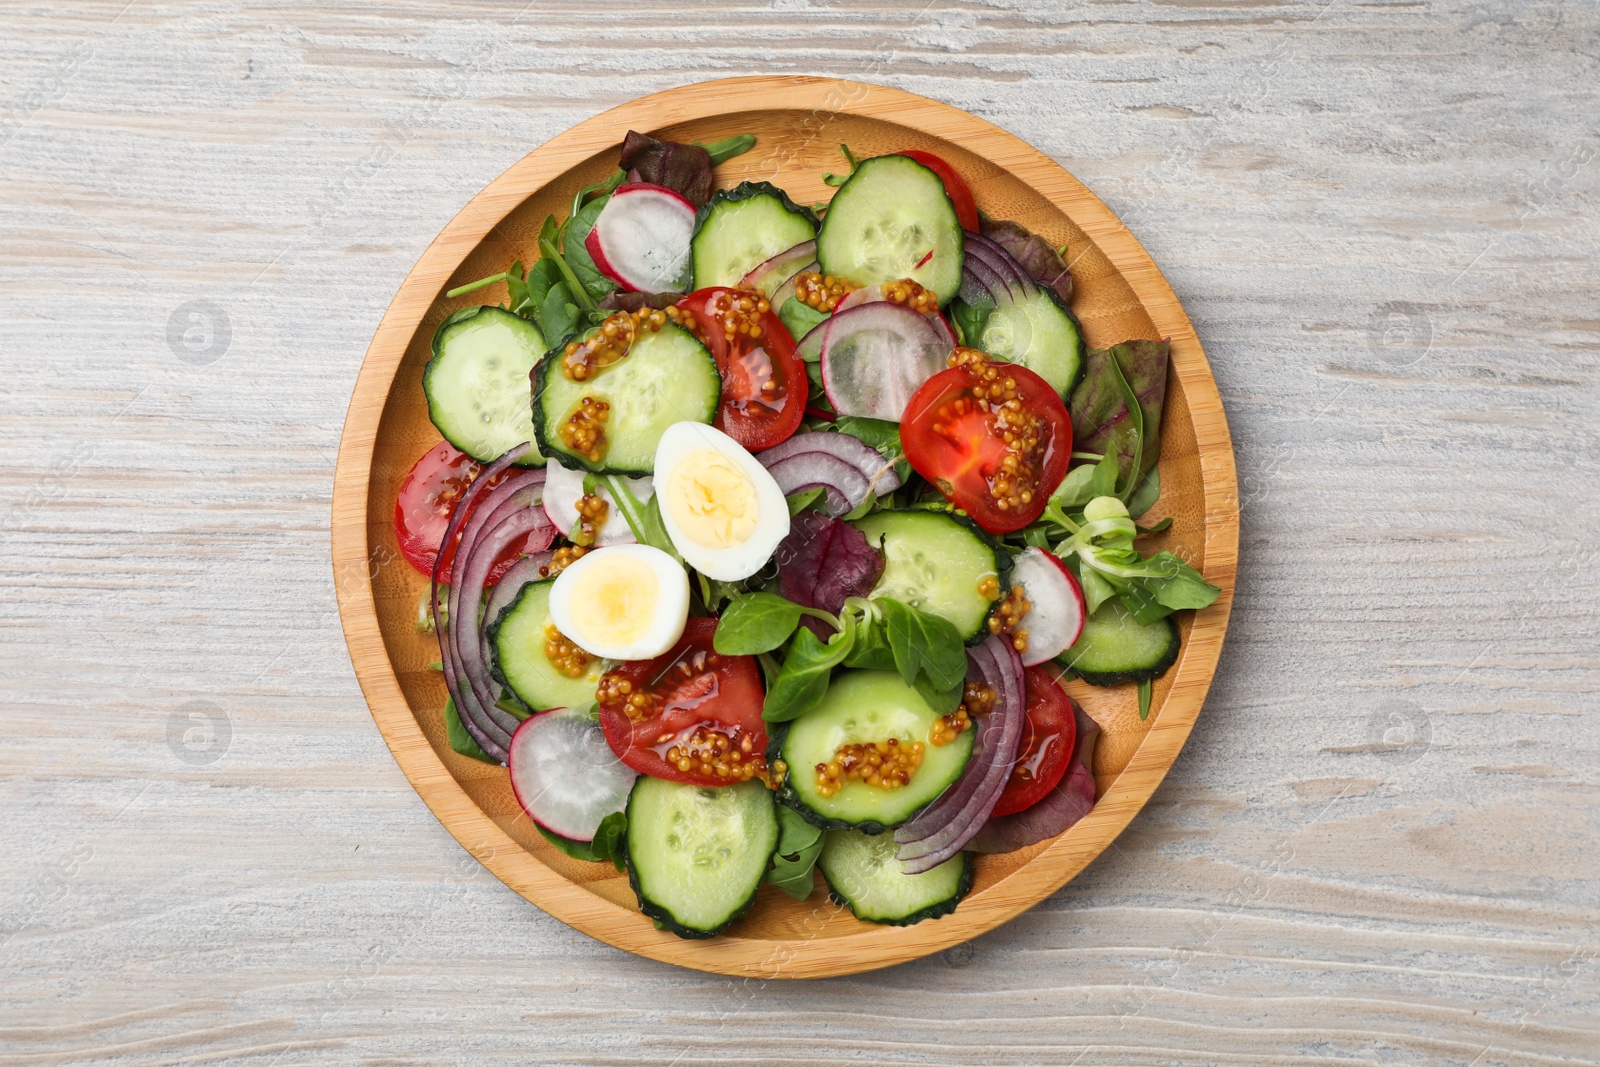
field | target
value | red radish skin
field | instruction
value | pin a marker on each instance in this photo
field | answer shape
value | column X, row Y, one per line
column 1056, row 617
column 564, row 775
column 641, row 238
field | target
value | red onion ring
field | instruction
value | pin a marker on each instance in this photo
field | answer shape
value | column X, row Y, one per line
column 847, row 467
column 944, row 827
column 1069, row 801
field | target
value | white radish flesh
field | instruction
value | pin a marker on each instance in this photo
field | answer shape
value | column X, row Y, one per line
column 563, row 488
column 641, row 239
column 1056, row 617
column 564, row 774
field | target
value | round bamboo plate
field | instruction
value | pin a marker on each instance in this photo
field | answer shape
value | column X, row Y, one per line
column 799, row 123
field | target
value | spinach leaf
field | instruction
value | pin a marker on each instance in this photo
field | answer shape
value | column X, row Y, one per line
column 558, row 315
column 460, row 740
column 807, row 668
column 755, row 623
column 799, row 844
column 607, row 846
column 968, row 320
column 924, row 645
column 644, row 516
column 800, row 319
column 595, row 284
column 798, row 502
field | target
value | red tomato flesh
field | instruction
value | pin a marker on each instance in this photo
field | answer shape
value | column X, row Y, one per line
column 691, row 715
column 428, row 498
column 1046, row 746
column 764, row 383
column 954, row 186
column 954, row 433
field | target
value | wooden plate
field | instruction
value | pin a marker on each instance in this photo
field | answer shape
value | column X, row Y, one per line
column 800, row 122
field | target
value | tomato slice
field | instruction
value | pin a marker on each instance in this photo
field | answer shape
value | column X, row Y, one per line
column 428, row 497
column 1046, row 746
column 764, row 383
column 954, row 186
column 691, row 715
column 957, row 439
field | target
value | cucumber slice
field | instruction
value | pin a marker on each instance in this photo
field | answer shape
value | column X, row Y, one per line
column 1039, row 333
column 667, row 377
column 477, row 382
column 936, row 562
column 863, row 872
column 1114, row 648
column 743, row 227
column 865, row 707
column 697, row 854
column 517, row 640
column 885, row 221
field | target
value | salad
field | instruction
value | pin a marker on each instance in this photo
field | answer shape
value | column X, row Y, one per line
column 761, row 534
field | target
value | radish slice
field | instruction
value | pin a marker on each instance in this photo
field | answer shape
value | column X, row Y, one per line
column 564, row 774
column 563, row 488
column 871, row 294
column 1056, row 618
column 770, row 275
column 876, row 355
column 641, row 239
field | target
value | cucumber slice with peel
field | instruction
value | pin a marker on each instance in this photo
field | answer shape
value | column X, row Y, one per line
column 937, row 563
column 893, row 219
column 742, row 228
column 864, row 872
column 477, row 382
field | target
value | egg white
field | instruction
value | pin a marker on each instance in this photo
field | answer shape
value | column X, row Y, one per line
column 735, row 562
column 667, row 613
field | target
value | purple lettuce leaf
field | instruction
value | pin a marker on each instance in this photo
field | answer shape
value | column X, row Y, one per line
column 1101, row 421
column 823, row 562
column 1042, row 262
column 684, row 168
column 1069, row 801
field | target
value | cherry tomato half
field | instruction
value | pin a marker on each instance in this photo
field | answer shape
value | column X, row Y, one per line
column 959, row 442
column 764, row 383
column 685, row 714
column 428, row 497
column 1046, row 746
column 954, row 186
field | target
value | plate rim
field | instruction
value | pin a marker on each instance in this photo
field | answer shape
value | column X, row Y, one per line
column 570, row 902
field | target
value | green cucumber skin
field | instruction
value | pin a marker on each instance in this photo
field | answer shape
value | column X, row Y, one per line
column 932, row 911
column 741, row 192
column 862, row 168
column 537, row 379
column 1107, row 679
column 1002, row 568
column 453, row 319
column 664, row 916
column 792, row 800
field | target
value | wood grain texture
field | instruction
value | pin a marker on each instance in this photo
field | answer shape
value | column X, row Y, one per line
column 1118, row 294
column 1378, row 845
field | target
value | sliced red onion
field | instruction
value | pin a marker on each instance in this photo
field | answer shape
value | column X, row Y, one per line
column 770, row 275
column 786, row 290
column 944, row 827
column 876, row 355
column 1002, row 263
column 525, row 570
column 796, row 454
column 491, row 737
column 1069, row 801
column 565, row 775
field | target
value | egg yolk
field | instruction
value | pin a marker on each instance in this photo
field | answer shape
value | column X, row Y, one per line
column 712, row 501
column 614, row 601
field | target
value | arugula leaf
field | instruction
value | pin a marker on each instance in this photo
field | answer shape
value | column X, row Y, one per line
column 460, row 740
column 755, row 623
column 595, row 284
column 807, row 668
column 924, row 645
column 607, row 846
column 799, row 844
column 798, row 502
column 839, row 179
column 644, row 516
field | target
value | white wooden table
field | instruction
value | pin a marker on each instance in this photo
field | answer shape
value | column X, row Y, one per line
column 1380, row 844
